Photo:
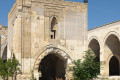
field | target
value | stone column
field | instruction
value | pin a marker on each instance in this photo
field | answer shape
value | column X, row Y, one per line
column 69, row 71
column 36, row 75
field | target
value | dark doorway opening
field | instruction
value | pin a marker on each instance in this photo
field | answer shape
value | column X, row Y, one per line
column 52, row 67
column 114, row 66
column 95, row 47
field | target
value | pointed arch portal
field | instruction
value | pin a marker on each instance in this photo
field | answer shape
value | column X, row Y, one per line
column 52, row 67
column 95, row 47
column 52, row 63
column 112, row 47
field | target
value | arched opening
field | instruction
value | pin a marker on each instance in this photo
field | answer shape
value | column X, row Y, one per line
column 4, row 55
column 52, row 67
column 113, row 66
column 95, row 47
column 53, row 28
column 112, row 47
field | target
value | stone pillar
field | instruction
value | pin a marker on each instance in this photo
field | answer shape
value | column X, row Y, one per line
column 102, row 63
column 102, row 69
column 69, row 71
column 36, row 75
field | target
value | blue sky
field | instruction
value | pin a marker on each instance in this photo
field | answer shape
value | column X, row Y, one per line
column 100, row 12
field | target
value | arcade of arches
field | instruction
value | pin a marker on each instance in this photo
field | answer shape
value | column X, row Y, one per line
column 111, row 54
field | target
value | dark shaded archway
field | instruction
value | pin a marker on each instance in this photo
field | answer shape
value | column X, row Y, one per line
column 95, row 47
column 52, row 67
column 112, row 47
column 114, row 67
column 4, row 55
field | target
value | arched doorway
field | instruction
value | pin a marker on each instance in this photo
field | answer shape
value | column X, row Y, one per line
column 95, row 47
column 113, row 66
column 112, row 48
column 61, row 62
column 52, row 67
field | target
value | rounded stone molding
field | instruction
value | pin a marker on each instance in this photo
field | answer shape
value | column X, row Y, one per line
column 51, row 50
column 96, row 38
column 59, row 52
column 106, row 63
column 110, row 56
column 110, row 33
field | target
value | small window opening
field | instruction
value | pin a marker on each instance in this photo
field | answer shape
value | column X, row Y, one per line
column 53, row 32
column 53, row 28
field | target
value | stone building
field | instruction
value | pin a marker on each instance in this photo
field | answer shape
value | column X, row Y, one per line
column 47, row 35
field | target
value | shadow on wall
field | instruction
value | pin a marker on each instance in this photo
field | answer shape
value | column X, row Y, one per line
column 4, row 55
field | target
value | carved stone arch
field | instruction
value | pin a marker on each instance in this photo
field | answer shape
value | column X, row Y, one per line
column 57, row 19
column 56, row 51
column 110, row 33
column 94, row 45
column 110, row 56
column 96, row 38
column 108, row 62
column 42, row 50
column 111, row 47
column 111, row 41
column 56, row 16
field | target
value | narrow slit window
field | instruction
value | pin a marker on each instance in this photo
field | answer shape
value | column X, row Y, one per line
column 53, row 28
